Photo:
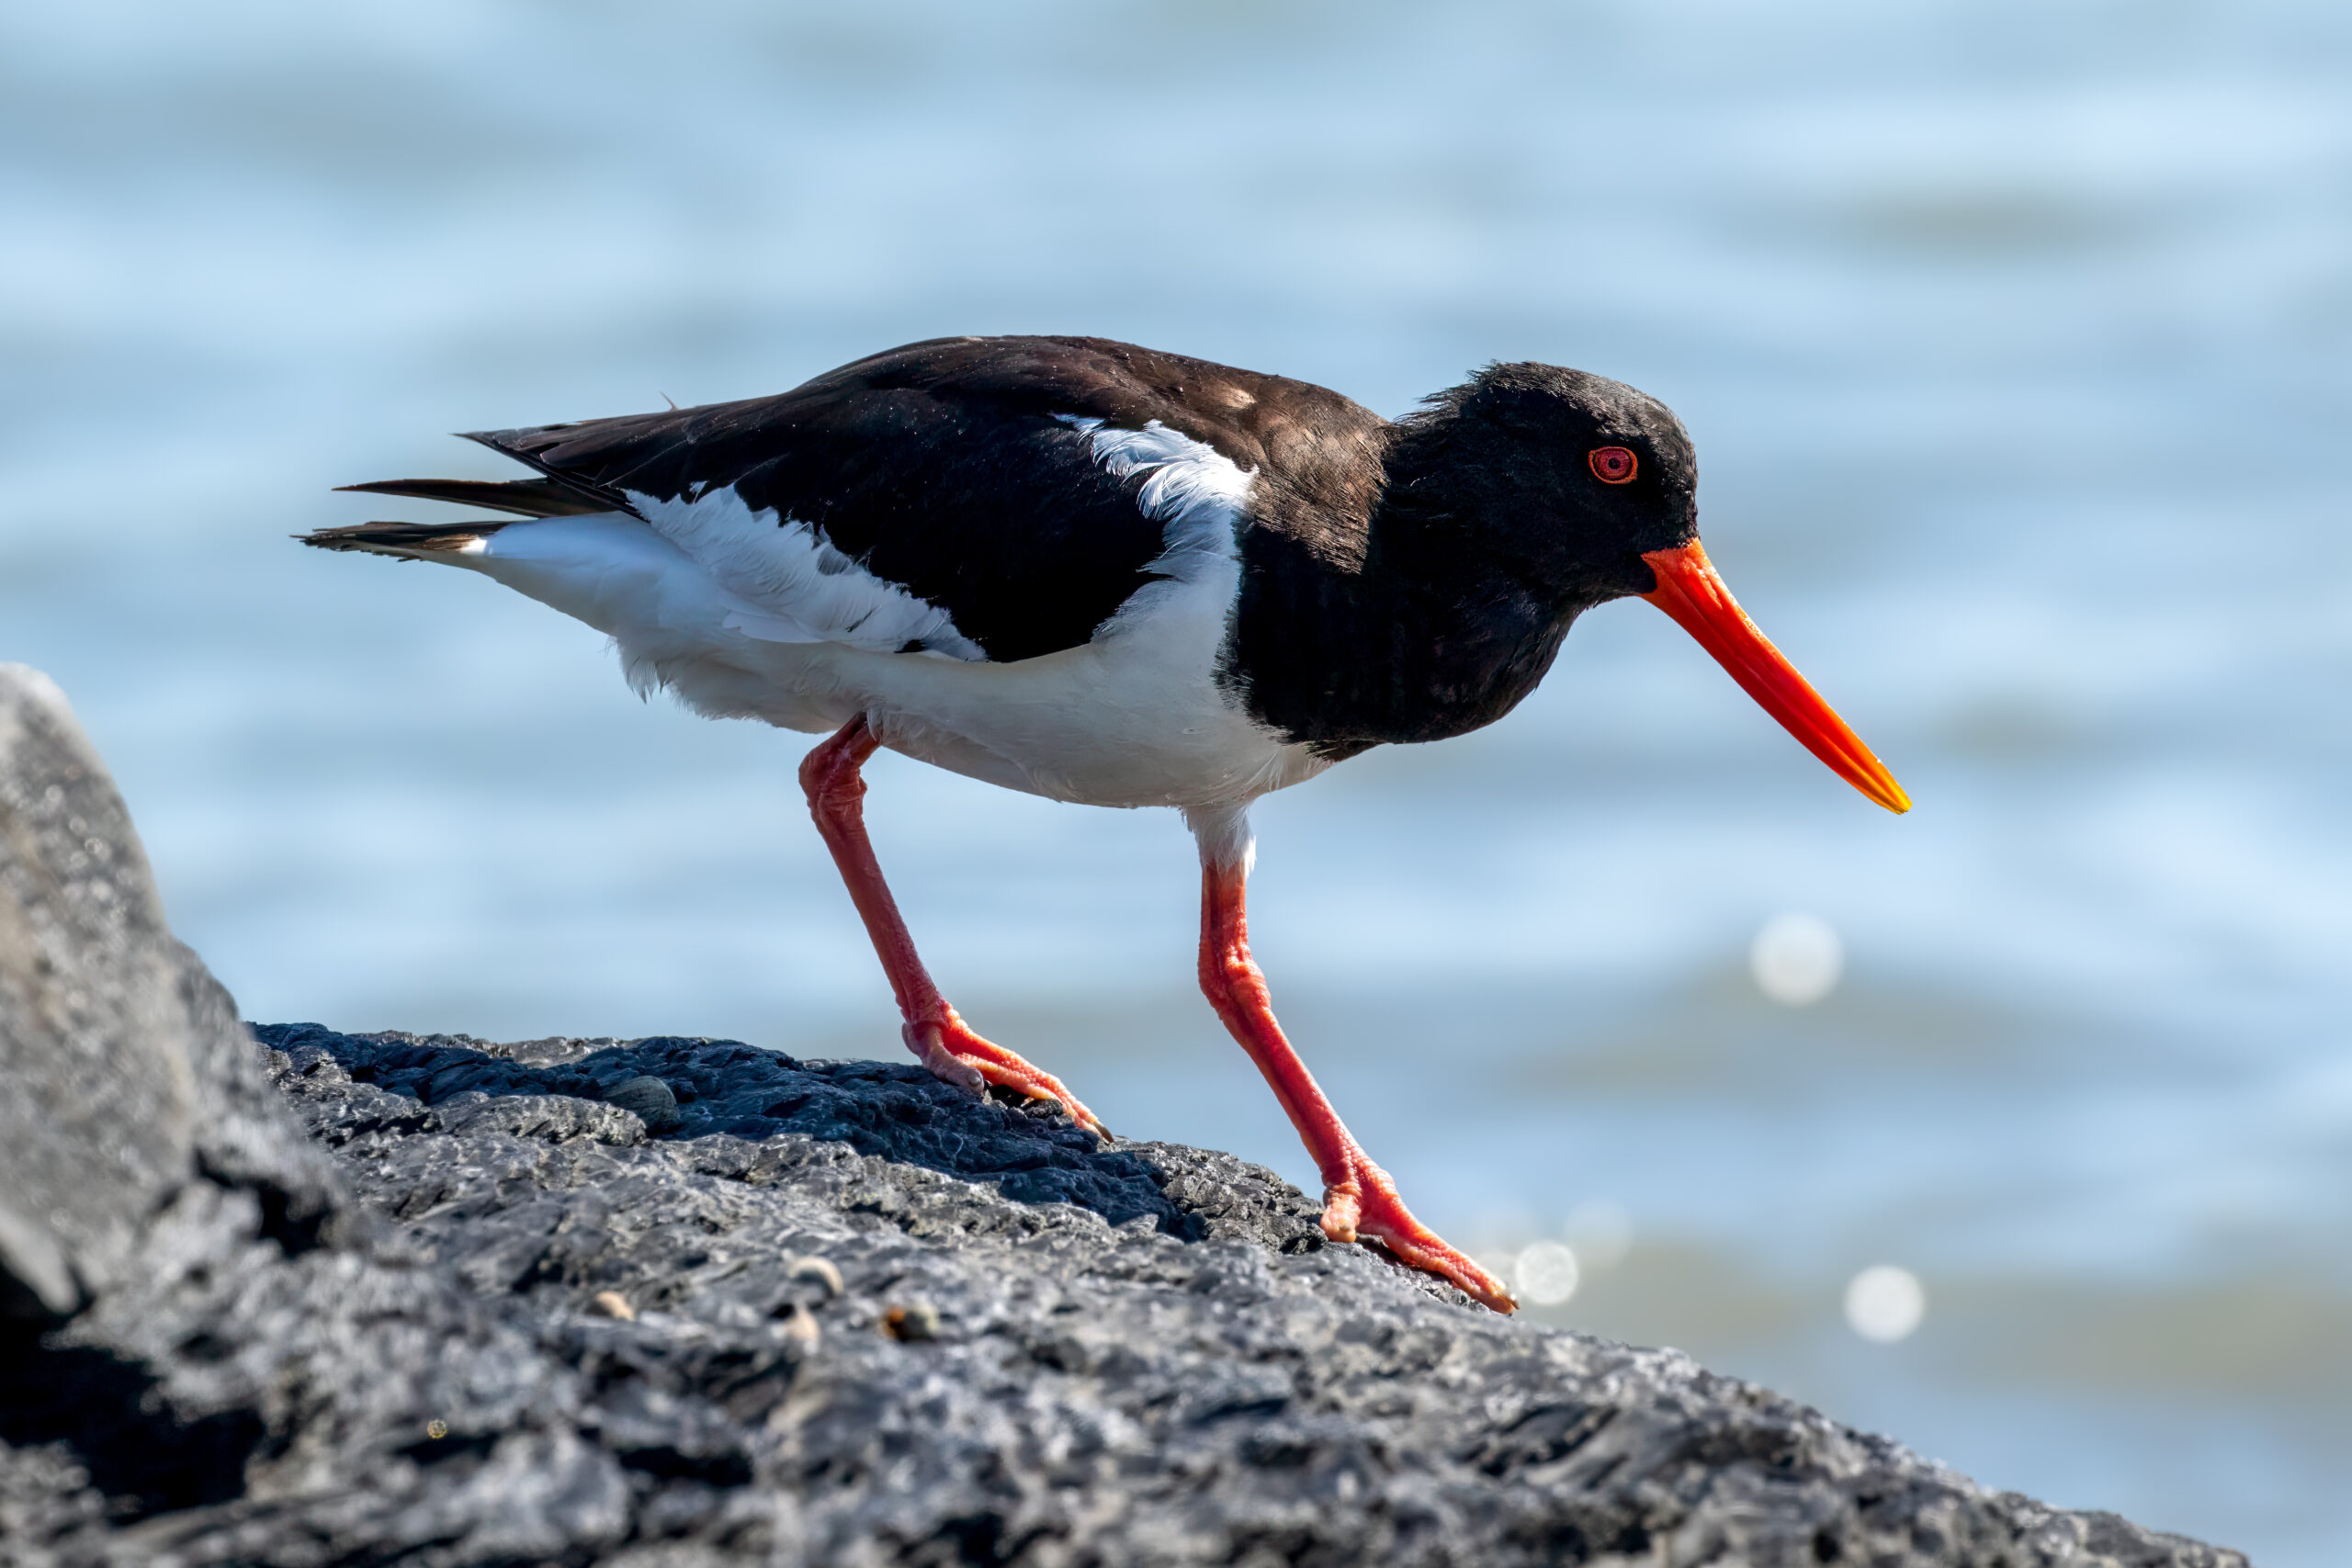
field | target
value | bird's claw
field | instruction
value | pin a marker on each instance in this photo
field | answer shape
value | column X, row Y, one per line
column 946, row 1045
column 1362, row 1205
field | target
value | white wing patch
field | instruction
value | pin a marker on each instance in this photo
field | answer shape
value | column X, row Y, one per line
column 795, row 586
column 1195, row 493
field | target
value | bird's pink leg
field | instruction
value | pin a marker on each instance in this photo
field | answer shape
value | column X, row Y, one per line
column 1359, row 1201
column 942, row 1042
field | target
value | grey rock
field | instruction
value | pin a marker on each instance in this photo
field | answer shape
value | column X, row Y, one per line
column 126, row 1071
column 1135, row 1354
column 93, row 1036
column 652, row 1099
column 338, row 1302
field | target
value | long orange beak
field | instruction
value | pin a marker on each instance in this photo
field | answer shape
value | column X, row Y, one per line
column 1689, row 589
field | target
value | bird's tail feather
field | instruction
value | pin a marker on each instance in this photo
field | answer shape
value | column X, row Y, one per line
column 528, row 498
column 412, row 541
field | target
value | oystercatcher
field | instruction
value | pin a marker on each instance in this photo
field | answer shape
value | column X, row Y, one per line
column 1101, row 573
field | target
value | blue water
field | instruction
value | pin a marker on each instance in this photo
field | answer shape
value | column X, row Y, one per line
column 2014, row 340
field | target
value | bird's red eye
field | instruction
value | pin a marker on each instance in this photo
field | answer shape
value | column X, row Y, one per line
column 1613, row 465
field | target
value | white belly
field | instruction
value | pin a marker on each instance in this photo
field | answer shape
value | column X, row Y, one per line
column 1134, row 718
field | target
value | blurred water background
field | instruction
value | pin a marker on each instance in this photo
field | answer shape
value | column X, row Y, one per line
column 2014, row 337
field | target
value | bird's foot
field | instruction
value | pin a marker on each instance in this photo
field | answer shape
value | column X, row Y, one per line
column 947, row 1046
column 1363, row 1206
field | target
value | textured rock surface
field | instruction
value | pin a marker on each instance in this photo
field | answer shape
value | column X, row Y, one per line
column 125, row 1074
column 838, row 1314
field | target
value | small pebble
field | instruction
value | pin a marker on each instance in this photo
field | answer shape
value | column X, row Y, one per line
column 653, row 1100
column 821, row 1269
column 911, row 1321
column 612, row 1303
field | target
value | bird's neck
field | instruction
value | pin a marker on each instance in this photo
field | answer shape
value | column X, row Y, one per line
column 1402, row 622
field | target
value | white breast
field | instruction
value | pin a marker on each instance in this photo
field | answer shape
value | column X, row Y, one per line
column 745, row 613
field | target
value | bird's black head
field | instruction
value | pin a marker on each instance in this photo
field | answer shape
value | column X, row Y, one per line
column 1564, row 479
column 1531, row 493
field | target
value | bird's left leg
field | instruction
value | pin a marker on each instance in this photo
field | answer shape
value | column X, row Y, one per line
column 942, row 1042
column 1359, row 1200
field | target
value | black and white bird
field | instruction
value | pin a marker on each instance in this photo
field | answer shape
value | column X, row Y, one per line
column 1101, row 573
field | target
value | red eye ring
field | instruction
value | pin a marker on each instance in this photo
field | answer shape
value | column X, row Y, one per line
column 1613, row 465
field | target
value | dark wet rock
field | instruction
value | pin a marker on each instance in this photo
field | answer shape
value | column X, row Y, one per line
column 653, row 1102
column 863, row 1318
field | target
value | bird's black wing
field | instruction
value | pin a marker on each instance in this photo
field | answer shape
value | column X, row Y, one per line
column 953, row 469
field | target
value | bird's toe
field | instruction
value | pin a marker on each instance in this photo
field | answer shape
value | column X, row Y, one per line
column 1364, row 1207
column 950, row 1048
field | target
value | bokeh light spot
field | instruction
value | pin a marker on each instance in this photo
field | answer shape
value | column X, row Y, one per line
column 1796, row 959
column 1884, row 1303
column 1545, row 1273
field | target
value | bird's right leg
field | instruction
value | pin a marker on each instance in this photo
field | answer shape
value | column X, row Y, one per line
column 939, row 1040
column 1359, row 1203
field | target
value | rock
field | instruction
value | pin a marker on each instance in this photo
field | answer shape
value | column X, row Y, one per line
column 650, row 1099
column 395, row 1339
column 1042, row 1351
column 127, row 1075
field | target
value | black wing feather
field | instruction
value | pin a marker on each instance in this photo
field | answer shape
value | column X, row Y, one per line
column 943, row 467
